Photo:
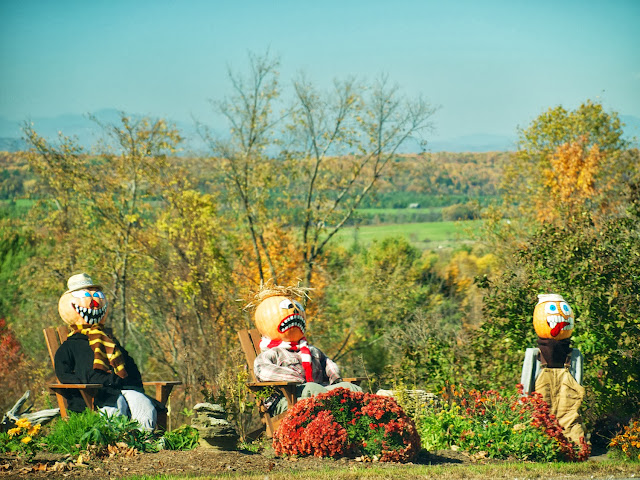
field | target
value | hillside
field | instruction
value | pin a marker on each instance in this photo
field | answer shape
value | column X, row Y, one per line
column 428, row 179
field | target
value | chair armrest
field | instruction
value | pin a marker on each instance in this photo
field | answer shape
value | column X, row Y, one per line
column 288, row 389
column 88, row 391
column 75, row 386
column 163, row 389
column 271, row 384
column 355, row 380
column 163, row 382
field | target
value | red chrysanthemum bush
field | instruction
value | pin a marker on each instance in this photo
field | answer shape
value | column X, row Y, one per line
column 344, row 423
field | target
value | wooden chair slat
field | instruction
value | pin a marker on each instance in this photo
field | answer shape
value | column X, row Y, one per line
column 63, row 333
column 52, row 341
column 249, row 349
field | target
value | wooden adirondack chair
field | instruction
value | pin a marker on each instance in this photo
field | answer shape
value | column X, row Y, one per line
column 54, row 337
column 250, row 342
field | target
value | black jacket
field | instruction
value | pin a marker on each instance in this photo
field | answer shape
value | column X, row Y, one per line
column 74, row 364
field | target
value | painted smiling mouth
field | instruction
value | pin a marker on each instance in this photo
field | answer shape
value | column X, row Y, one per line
column 92, row 316
column 293, row 320
column 557, row 323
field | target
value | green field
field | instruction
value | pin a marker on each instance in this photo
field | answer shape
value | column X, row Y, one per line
column 429, row 235
column 395, row 211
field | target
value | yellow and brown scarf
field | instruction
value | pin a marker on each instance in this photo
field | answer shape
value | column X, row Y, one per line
column 106, row 353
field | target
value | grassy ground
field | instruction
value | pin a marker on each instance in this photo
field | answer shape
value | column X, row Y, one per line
column 604, row 469
column 429, row 235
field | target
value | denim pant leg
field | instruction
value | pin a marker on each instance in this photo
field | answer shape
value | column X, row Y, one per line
column 141, row 409
column 121, row 408
column 310, row 389
column 349, row 386
column 304, row 390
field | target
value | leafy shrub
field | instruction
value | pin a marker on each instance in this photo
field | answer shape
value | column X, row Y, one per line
column 182, row 438
column 498, row 426
column 81, row 430
column 345, row 423
column 66, row 435
column 21, row 439
column 627, row 443
column 465, row 211
column 119, row 429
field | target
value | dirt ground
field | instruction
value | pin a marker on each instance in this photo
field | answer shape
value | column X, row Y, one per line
column 200, row 461
column 204, row 461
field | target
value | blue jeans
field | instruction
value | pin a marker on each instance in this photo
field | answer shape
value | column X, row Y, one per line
column 310, row 389
column 137, row 406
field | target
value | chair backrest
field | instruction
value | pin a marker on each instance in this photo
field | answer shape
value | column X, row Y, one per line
column 250, row 342
column 55, row 336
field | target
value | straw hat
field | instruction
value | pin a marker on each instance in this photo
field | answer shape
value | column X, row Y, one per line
column 80, row 281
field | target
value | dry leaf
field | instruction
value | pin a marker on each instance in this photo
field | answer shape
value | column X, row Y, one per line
column 58, row 467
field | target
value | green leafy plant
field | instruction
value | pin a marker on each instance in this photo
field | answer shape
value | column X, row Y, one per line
column 80, row 430
column 184, row 437
column 230, row 392
column 495, row 425
column 66, row 434
column 118, row 428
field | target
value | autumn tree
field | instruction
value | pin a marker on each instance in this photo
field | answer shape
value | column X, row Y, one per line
column 100, row 202
column 311, row 178
column 355, row 131
column 243, row 155
column 564, row 154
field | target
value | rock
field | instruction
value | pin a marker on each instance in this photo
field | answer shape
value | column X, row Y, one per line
column 210, row 408
column 214, row 429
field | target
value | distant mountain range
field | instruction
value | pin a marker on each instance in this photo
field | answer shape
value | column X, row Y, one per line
column 87, row 132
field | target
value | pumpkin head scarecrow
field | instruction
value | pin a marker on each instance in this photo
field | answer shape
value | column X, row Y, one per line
column 285, row 354
column 91, row 354
column 83, row 303
column 554, row 369
column 553, row 317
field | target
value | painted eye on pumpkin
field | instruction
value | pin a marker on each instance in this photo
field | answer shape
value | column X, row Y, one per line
column 551, row 308
column 80, row 294
column 98, row 294
column 299, row 305
column 286, row 304
column 566, row 309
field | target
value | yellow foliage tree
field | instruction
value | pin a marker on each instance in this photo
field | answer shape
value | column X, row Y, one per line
column 570, row 179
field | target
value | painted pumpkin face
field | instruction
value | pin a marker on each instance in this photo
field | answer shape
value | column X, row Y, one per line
column 553, row 317
column 86, row 306
column 281, row 318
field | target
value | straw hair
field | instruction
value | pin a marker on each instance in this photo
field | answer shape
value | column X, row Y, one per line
column 269, row 289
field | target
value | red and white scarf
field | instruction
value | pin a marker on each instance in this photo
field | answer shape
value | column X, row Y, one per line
column 299, row 346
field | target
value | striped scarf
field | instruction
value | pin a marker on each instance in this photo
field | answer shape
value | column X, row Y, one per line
column 105, row 352
column 299, row 346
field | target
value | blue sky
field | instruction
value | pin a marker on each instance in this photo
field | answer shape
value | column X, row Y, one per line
column 491, row 65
